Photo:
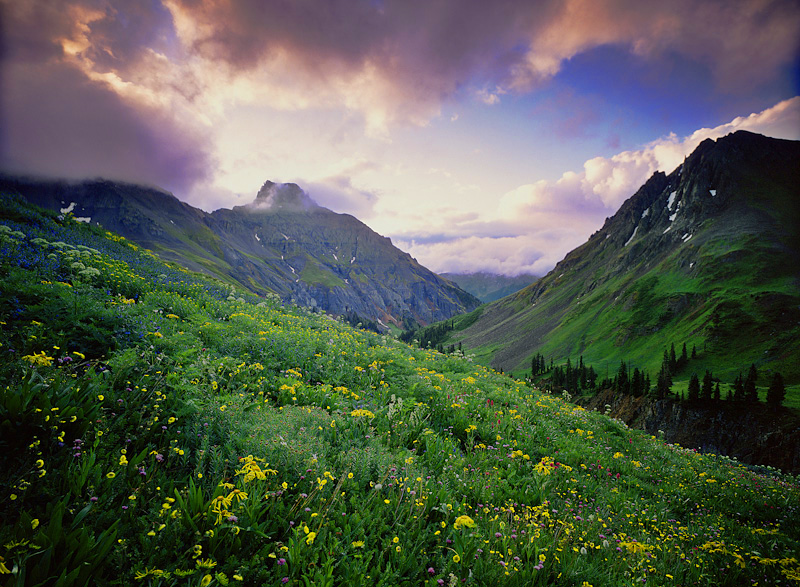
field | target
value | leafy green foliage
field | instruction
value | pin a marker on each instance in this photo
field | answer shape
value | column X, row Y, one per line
column 222, row 438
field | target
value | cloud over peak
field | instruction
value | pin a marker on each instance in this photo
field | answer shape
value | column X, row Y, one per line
column 201, row 97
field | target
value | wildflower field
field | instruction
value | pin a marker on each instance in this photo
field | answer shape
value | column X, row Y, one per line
column 158, row 427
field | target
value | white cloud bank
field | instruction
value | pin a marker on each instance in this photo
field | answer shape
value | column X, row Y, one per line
column 541, row 222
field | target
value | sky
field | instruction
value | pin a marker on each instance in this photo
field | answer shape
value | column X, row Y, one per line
column 479, row 136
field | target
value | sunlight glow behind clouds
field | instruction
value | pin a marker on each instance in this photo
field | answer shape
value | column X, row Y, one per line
column 421, row 118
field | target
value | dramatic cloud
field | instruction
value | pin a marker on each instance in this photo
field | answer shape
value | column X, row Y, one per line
column 542, row 222
column 396, row 61
column 392, row 61
column 430, row 120
column 740, row 42
column 58, row 123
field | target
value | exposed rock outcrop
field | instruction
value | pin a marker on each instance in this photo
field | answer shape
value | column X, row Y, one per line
column 755, row 434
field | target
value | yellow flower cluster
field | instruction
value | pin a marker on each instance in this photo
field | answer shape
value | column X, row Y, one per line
column 362, row 414
column 464, row 522
column 252, row 470
column 39, row 359
column 545, row 466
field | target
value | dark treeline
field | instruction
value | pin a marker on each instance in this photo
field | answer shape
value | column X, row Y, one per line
column 357, row 321
column 628, row 380
column 429, row 336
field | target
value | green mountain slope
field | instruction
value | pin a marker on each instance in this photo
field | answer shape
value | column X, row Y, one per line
column 708, row 255
column 488, row 287
column 156, row 431
column 281, row 243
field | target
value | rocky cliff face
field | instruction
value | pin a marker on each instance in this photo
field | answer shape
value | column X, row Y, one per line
column 282, row 243
column 752, row 433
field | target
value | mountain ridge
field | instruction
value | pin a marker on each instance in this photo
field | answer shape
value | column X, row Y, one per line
column 489, row 287
column 281, row 243
column 708, row 253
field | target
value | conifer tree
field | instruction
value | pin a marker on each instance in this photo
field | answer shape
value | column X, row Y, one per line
column 694, row 352
column 694, row 388
column 684, row 357
column 568, row 376
column 591, row 377
column 707, row 390
column 622, row 383
column 663, row 382
column 716, row 392
column 777, row 391
column 750, row 391
column 583, row 374
column 673, row 360
column 636, row 382
column 738, row 389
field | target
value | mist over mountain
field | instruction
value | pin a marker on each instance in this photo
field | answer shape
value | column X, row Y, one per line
column 281, row 243
column 488, row 287
column 287, row 197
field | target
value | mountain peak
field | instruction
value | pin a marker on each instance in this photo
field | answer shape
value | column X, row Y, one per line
column 287, row 197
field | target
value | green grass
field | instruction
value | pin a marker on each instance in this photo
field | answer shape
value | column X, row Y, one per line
column 160, row 429
column 312, row 273
column 737, row 316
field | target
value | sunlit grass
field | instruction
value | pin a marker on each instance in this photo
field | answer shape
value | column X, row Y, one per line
column 167, row 430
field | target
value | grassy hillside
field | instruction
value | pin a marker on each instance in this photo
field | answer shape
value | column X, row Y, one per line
column 159, row 428
column 706, row 256
column 282, row 243
column 488, row 287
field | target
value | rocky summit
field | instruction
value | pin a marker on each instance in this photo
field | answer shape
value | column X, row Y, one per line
column 708, row 255
column 281, row 243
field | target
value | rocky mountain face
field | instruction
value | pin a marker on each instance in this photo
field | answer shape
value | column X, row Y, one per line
column 282, row 243
column 709, row 254
column 752, row 433
column 488, row 287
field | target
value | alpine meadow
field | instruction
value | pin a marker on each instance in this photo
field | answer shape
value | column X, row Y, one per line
column 160, row 427
column 399, row 293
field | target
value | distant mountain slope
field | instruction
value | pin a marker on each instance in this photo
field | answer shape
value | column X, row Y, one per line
column 709, row 254
column 282, row 243
column 488, row 287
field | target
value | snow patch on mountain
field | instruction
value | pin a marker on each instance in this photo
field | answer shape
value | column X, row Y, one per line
column 632, row 236
column 671, row 200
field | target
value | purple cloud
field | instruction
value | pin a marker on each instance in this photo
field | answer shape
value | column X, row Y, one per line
column 58, row 123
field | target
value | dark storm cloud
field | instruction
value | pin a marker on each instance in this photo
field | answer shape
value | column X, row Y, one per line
column 446, row 43
column 434, row 46
column 60, row 115
column 57, row 122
